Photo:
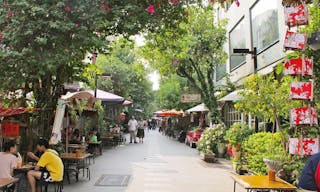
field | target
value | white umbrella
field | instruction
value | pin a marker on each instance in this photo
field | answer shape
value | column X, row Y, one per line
column 199, row 108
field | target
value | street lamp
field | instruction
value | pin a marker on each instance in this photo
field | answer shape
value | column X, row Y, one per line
column 255, row 67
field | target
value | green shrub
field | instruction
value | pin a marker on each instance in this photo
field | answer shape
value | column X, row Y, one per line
column 238, row 133
column 262, row 145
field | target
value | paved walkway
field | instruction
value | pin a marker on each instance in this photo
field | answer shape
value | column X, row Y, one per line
column 160, row 164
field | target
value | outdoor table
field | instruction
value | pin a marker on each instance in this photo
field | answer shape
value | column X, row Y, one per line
column 7, row 182
column 255, row 182
column 96, row 146
column 73, row 163
column 76, row 146
column 25, row 168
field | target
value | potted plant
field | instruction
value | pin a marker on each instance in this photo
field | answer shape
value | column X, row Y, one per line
column 209, row 140
column 235, row 135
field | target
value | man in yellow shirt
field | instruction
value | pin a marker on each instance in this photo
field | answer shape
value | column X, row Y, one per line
column 49, row 167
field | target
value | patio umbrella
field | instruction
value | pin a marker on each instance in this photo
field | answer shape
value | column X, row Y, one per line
column 170, row 113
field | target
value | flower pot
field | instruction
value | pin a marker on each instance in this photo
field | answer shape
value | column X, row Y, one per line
column 210, row 158
column 221, row 149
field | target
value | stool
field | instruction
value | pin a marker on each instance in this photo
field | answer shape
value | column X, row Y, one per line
column 58, row 186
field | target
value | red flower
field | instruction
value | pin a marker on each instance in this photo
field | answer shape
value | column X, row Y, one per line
column 9, row 15
column 175, row 62
column 106, row 7
column 237, row 3
column 1, row 37
column 6, row 6
column 150, row 9
column 174, row 1
column 67, row 8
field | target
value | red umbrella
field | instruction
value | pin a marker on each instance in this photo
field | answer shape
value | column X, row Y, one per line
column 170, row 113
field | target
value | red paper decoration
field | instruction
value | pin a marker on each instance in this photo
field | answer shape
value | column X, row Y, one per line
column 303, row 146
column 301, row 90
column 297, row 15
column 295, row 41
column 298, row 66
column 10, row 128
column 303, row 116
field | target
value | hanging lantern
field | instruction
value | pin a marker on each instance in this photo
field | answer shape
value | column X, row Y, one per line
column 295, row 41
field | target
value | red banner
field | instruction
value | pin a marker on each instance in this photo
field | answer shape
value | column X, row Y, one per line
column 303, row 116
column 295, row 41
column 301, row 90
column 297, row 15
column 10, row 128
column 298, row 66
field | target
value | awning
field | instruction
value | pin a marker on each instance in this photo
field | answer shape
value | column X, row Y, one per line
column 6, row 112
column 127, row 102
column 233, row 96
column 199, row 108
column 106, row 96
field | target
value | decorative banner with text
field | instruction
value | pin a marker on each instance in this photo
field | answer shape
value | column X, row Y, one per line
column 303, row 146
column 298, row 66
column 10, row 128
column 301, row 90
column 190, row 98
column 297, row 15
column 303, row 116
column 295, row 41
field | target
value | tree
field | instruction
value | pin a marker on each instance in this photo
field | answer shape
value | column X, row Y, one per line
column 127, row 74
column 194, row 53
column 44, row 42
column 266, row 97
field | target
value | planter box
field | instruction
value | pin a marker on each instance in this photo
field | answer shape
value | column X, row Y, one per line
column 210, row 158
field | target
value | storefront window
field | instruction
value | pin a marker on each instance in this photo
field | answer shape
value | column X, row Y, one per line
column 237, row 41
column 221, row 72
column 264, row 21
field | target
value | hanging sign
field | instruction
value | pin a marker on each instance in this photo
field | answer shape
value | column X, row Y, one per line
column 303, row 146
column 303, row 116
column 297, row 15
column 190, row 98
column 301, row 90
column 295, row 41
column 10, row 128
column 298, row 66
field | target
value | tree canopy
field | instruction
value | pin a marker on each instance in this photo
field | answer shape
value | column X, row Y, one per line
column 194, row 53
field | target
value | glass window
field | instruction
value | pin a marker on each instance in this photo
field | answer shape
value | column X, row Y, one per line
column 221, row 72
column 237, row 39
column 264, row 20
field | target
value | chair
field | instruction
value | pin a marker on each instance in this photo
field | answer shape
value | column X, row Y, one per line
column 58, row 186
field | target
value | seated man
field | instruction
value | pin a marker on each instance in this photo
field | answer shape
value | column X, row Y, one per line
column 49, row 167
column 9, row 161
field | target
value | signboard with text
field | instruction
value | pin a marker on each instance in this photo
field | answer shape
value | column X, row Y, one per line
column 190, row 98
column 10, row 128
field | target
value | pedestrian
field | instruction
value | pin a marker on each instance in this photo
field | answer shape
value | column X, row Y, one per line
column 9, row 160
column 310, row 176
column 133, row 124
column 141, row 128
column 49, row 167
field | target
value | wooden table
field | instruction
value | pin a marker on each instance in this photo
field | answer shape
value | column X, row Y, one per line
column 73, row 163
column 254, row 182
column 5, row 183
column 24, row 168
column 76, row 146
column 73, row 156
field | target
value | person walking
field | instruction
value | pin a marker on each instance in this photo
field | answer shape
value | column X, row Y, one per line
column 141, row 127
column 133, row 124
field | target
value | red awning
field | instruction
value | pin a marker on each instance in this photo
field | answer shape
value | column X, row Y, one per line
column 6, row 112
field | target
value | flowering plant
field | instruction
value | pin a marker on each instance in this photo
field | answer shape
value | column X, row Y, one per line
column 238, row 133
column 210, row 138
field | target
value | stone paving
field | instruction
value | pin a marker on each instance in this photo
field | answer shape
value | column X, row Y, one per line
column 160, row 164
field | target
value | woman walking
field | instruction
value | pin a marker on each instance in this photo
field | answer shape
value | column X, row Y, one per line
column 140, row 133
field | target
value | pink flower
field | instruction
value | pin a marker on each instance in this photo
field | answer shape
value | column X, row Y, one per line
column 174, row 1
column 175, row 62
column 67, row 8
column 9, row 15
column 150, row 9
column 106, row 7
column 6, row 6
column 76, row 25
column 237, row 3
column 1, row 37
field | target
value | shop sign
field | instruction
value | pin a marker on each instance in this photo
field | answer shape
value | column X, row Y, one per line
column 190, row 98
column 10, row 128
